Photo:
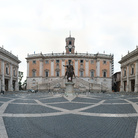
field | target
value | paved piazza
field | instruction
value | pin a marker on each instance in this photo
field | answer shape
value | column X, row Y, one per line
column 47, row 115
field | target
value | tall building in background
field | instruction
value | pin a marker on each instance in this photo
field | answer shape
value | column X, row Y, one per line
column 129, row 72
column 93, row 71
column 8, row 71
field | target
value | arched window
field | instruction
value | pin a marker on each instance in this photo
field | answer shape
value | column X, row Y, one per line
column 81, row 73
column 57, row 73
column 33, row 73
column 124, row 72
column 14, row 72
column 132, row 69
column 92, row 73
column 46, row 73
column 104, row 73
column 7, row 69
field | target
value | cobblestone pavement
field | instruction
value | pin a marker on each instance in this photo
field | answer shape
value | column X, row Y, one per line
column 87, row 115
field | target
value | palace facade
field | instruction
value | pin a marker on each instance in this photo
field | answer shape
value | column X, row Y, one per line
column 92, row 71
column 129, row 72
column 8, row 71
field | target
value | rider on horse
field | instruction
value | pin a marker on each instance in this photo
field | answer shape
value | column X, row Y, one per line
column 69, row 72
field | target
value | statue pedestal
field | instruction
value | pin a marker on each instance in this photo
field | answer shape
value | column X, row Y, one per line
column 69, row 88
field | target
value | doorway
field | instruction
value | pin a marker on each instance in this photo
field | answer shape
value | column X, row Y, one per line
column 132, row 85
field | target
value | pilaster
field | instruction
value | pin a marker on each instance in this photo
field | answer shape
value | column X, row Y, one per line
column 127, row 87
column 62, row 67
column 52, row 68
column 41, row 68
column 16, row 83
column 121, row 86
column 11, row 78
column 136, row 77
column 3, row 79
column 76, row 67
column 27, row 68
column 87, row 67
column 98, row 68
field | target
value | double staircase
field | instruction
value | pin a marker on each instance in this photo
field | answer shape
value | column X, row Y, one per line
column 80, row 85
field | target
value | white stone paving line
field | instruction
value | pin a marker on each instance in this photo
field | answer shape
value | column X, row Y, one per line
column 136, row 108
column 88, row 107
column 133, row 104
column 71, row 112
column 52, row 107
column 3, row 133
column 136, row 133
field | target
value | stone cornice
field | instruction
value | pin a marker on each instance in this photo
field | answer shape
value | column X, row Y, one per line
column 75, row 56
column 9, row 55
column 130, row 56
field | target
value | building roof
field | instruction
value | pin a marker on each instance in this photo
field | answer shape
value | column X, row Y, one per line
column 132, row 54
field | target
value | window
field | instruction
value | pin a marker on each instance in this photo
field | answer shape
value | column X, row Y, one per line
column 124, row 72
column 104, row 73
column 34, row 73
column 69, row 49
column 69, row 42
column 92, row 61
column 57, row 73
column 57, row 61
column 47, row 62
column 7, row 69
column 46, row 73
column 132, row 71
column 104, row 62
column 34, row 61
column 81, row 61
column 14, row 72
column 92, row 73
column 81, row 73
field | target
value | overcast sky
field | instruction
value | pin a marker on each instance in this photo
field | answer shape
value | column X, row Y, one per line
column 42, row 26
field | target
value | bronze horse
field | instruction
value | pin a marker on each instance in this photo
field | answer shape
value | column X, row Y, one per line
column 69, row 72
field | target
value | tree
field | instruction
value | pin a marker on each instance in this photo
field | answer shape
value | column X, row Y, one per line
column 20, row 76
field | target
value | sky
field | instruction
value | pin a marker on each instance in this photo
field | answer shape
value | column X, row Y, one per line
column 104, row 26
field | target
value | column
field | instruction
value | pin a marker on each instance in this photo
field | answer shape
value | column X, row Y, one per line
column 3, row 79
column 136, row 76
column 127, row 87
column 110, row 68
column 98, row 68
column 52, row 68
column 121, row 86
column 41, row 68
column 27, row 68
column 11, row 78
column 76, row 67
column 63, row 68
column 16, row 83
column 87, row 67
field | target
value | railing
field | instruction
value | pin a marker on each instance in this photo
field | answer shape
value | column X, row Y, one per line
column 75, row 54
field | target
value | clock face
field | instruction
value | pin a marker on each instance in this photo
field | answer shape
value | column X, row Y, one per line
column 70, row 46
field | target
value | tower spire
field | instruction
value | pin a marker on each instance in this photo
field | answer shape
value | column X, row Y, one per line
column 69, row 33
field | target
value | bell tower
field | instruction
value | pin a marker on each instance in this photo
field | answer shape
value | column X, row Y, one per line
column 70, row 48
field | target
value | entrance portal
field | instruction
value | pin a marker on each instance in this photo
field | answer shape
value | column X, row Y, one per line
column 125, row 83
column 6, row 84
column 132, row 85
